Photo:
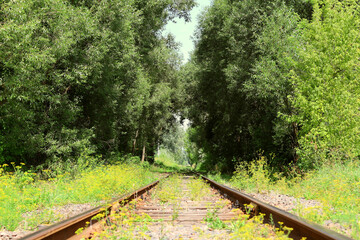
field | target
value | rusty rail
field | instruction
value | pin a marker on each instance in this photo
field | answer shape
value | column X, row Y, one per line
column 66, row 229
column 301, row 227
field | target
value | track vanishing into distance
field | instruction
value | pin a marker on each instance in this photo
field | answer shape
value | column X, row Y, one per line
column 176, row 219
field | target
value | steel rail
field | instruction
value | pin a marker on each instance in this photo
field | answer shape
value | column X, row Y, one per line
column 66, row 229
column 301, row 227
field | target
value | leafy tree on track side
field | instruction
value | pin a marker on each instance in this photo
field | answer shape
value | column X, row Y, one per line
column 277, row 76
column 79, row 77
column 241, row 57
column 327, row 90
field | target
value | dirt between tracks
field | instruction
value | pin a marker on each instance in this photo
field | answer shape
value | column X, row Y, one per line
column 184, row 217
column 183, row 207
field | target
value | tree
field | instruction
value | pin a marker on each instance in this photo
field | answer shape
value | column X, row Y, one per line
column 84, row 76
column 325, row 77
column 240, row 94
column 39, row 41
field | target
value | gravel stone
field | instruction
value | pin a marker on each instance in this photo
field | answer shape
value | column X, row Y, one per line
column 284, row 202
column 60, row 213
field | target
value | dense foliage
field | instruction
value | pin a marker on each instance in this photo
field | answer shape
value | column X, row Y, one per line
column 85, row 77
column 28, row 201
column 326, row 76
column 276, row 76
column 173, row 143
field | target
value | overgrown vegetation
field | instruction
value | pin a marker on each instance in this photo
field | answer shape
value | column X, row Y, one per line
column 277, row 76
column 335, row 186
column 28, row 198
column 127, row 223
column 164, row 161
column 83, row 80
column 86, row 77
column 169, row 189
column 198, row 188
column 254, row 228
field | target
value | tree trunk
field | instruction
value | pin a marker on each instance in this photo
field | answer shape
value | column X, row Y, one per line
column 143, row 153
column 151, row 154
column 295, row 130
column 295, row 140
column 134, row 143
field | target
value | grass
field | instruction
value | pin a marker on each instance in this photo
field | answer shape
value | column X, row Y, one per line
column 169, row 189
column 242, row 227
column 127, row 224
column 28, row 197
column 165, row 162
column 198, row 189
column 124, row 224
column 247, row 228
column 213, row 220
column 335, row 186
column 26, row 200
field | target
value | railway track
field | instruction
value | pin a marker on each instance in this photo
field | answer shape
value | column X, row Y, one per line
column 157, row 212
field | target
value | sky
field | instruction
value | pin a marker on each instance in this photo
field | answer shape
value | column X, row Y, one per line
column 183, row 32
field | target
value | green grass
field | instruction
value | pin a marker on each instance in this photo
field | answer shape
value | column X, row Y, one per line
column 169, row 189
column 198, row 188
column 253, row 228
column 242, row 226
column 126, row 224
column 336, row 187
column 165, row 162
column 24, row 193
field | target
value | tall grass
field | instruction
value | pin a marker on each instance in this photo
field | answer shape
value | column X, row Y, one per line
column 166, row 162
column 23, row 191
column 335, row 186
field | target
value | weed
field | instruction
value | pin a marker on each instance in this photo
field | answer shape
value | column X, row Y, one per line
column 335, row 186
column 254, row 175
column 124, row 223
column 213, row 219
column 26, row 198
column 175, row 210
column 254, row 228
column 168, row 190
column 198, row 188
column 165, row 162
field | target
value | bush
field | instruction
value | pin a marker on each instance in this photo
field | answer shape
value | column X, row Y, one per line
column 327, row 89
column 252, row 176
column 26, row 198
